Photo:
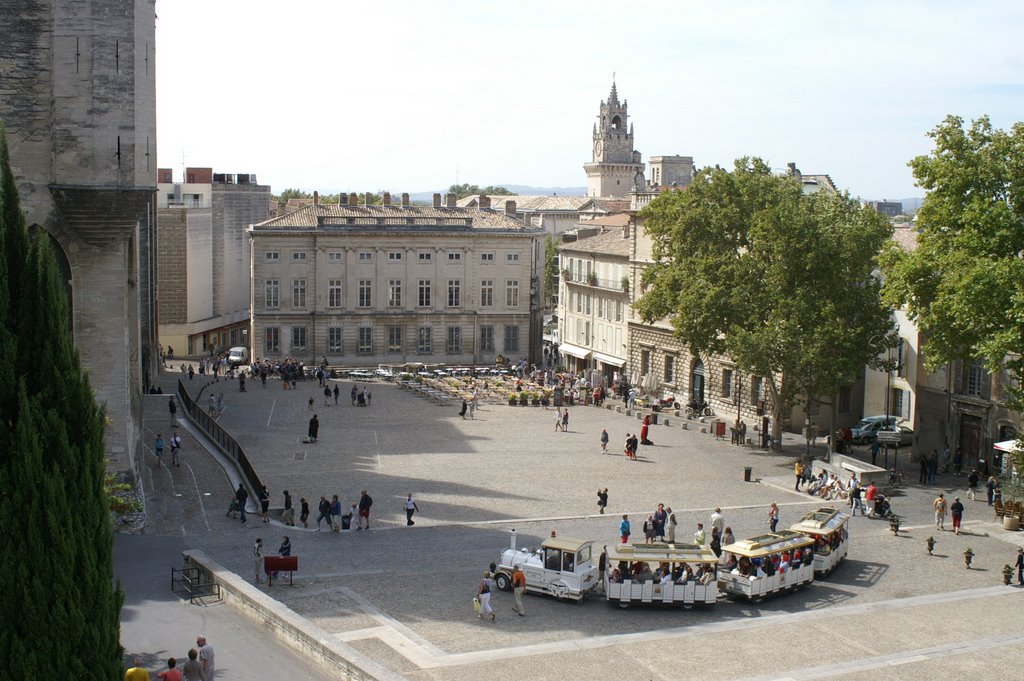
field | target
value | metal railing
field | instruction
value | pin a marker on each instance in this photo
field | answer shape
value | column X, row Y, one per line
column 190, row 580
column 216, row 433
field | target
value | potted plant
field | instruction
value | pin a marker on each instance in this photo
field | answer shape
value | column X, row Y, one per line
column 1007, row 574
column 931, row 544
column 524, row 398
column 592, row 278
column 545, row 397
column 513, row 399
column 968, row 557
column 625, row 283
column 566, row 274
column 535, row 399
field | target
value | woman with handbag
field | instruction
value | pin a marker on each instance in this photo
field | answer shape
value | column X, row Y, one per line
column 484, row 595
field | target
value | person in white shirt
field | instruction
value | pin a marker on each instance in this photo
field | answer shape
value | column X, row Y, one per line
column 717, row 520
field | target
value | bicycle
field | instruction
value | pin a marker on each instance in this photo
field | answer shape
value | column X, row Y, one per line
column 895, row 477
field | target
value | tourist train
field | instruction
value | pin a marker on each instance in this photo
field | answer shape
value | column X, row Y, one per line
column 682, row 574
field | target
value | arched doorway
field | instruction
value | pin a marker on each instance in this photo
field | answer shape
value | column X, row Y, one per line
column 697, row 382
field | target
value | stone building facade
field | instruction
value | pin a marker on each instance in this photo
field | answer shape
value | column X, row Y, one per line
column 78, row 101
column 203, row 258
column 362, row 285
column 593, row 299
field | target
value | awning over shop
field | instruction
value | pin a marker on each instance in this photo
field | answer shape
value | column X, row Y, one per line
column 1007, row 446
column 574, row 350
column 608, row 359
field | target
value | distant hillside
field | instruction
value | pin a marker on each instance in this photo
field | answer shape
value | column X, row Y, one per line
column 523, row 189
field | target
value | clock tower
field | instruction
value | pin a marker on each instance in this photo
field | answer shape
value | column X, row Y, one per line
column 616, row 166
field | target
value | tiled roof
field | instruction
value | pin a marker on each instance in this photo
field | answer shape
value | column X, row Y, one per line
column 527, row 204
column 615, row 220
column 823, row 181
column 610, row 242
column 611, row 205
column 411, row 217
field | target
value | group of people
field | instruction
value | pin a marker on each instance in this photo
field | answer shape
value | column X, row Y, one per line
column 665, row 573
column 330, row 513
column 661, row 526
column 198, row 667
column 767, row 566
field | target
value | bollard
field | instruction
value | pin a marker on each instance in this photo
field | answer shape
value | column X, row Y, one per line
column 748, row 473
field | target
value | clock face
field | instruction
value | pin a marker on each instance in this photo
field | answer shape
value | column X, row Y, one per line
column 598, row 148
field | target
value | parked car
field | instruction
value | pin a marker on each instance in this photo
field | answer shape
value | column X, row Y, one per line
column 865, row 430
column 238, row 355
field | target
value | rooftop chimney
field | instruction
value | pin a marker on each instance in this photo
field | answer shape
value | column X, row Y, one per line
column 437, row 200
column 367, row 199
column 342, row 199
column 405, row 199
column 316, row 198
column 353, row 199
column 510, row 207
column 387, row 198
column 449, row 201
column 483, row 202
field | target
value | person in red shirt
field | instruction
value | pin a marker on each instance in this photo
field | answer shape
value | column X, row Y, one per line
column 871, row 492
column 172, row 673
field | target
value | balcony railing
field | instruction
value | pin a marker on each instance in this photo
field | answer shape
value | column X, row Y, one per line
column 596, row 282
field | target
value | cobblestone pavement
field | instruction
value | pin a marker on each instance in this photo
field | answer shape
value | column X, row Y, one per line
column 401, row 595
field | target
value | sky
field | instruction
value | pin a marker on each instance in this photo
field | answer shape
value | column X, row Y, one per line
column 415, row 96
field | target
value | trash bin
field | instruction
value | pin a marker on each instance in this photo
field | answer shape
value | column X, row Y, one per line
column 1011, row 522
column 748, row 473
column 346, row 522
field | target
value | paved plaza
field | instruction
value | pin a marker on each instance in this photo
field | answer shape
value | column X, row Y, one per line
column 401, row 596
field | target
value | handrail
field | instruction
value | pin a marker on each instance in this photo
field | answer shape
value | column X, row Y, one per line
column 190, row 579
column 219, row 436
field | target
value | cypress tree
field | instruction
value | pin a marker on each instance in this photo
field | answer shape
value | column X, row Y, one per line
column 60, row 605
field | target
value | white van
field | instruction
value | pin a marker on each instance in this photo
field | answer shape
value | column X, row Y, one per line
column 238, row 355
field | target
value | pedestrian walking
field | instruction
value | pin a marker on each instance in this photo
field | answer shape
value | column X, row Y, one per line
column 410, row 508
column 158, row 445
column 257, row 559
column 137, row 673
column 264, row 504
column 304, row 511
column 940, row 512
column 336, row 394
column 649, row 529
column 207, row 658
column 519, row 587
column 220, row 405
column 1020, row 566
column 990, row 489
column 956, row 512
column 699, row 537
column 565, row 420
column 472, row 406
column 484, row 594
column 173, row 409
column 624, row 529
column 354, row 394
column 718, row 521
column 335, row 514
column 288, row 517
column 172, row 673
column 716, row 542
column 670, row 525
column 798, row 469
column 875, row 447
column 314, row 428
column 175, row 449
column 660, row 516
column 242, row 497
column 191, row 372
column 327, row 396
column 855, row 500
column 324, row 510
column 365, row 502
column 558, row 419
column 311, row 403
column 465, row 408
column 922, row 477
column 602, row 500
column 192, row 670
column 773, row 516
column 972, row 484
column 604, row 441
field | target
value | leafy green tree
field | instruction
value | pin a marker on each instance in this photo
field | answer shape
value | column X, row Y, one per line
column 292, row 194
column 964, row 283
column 59, row 601
column 748, row 266
column 461, row 191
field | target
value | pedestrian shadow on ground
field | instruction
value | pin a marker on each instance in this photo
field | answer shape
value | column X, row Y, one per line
column 853, row 572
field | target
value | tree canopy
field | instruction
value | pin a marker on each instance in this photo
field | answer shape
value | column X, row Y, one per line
column 964, row 283
column 461, row 191
column 748, row 266
column 59, row 597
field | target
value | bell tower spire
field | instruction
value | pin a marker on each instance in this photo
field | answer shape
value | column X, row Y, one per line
column 615, row 163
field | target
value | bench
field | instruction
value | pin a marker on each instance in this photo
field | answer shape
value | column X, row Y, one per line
column 272, row 564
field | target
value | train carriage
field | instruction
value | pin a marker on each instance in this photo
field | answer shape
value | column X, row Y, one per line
column 668, row 574
column 828, row 528
column 767, row 564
